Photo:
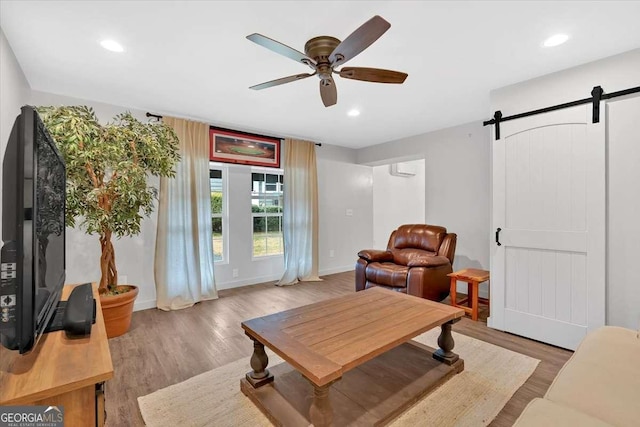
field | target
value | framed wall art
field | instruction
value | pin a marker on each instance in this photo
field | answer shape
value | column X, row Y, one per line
column 229, row 146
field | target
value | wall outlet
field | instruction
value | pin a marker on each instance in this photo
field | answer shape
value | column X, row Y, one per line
column 349, row 212
column 123, row 279
column 235, row 272
column 332, row 253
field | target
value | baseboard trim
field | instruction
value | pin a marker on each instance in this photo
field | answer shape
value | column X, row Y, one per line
column 335, row 270
column 247, row 282
column 263, row 279
column 144, row 305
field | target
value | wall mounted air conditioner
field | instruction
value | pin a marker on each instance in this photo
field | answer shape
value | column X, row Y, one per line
column 405, row 170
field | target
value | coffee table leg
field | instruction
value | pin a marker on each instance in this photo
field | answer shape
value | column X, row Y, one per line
column 259, row 361
column 320, row 412
column 445, row 342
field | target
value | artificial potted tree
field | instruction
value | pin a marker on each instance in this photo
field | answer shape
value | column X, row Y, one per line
column 107, row 189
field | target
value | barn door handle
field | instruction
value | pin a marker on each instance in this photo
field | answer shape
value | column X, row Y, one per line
column 498, row 230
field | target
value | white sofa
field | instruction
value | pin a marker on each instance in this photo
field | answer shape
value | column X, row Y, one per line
column 599, row 386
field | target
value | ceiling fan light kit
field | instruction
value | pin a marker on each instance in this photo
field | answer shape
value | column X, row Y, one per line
column 324, row 53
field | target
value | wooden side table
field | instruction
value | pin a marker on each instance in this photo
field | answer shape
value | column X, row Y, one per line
column 473, row 277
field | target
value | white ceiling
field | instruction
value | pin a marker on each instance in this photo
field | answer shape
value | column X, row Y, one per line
column 191, row 59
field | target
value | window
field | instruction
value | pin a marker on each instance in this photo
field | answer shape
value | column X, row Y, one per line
column 266, row 210
column 219, row 221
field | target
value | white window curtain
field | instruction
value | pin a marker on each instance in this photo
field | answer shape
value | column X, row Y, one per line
column 300, row 217
column 184, row 250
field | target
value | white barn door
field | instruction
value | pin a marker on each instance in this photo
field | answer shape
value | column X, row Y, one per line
column 548, row 274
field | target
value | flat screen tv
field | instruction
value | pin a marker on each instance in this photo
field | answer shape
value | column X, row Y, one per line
column 33, row 232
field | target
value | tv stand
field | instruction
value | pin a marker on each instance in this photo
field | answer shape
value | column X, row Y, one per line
column 61, row 372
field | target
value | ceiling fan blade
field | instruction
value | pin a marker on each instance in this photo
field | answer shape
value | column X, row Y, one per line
column 377, row 75
column 359, row 40
column 281, row 81
column 280, row 48
column 328, row 92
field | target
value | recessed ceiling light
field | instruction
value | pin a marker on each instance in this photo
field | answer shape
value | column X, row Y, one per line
column 555, row 40
column 353, row 113
column 112, row 45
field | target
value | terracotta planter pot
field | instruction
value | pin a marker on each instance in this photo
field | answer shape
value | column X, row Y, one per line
column 117, row 310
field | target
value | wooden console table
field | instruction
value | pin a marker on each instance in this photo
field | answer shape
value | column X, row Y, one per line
column 61, row 372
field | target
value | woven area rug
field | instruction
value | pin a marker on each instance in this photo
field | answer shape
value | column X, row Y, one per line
column 474, row 397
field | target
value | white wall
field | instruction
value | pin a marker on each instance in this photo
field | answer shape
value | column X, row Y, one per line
column 14, row 90
column 623, row 163
column 343, row 186
column 397, row 200
column 614, row 73
column 623, row 290
column 14, row 93
column 457, row 184
column 458, row 187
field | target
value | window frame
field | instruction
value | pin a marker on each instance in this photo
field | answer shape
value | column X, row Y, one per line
column 225, row 211
column 272, row 171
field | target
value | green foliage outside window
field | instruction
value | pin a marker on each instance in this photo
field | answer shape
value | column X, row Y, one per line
column 273, row 222
column 216, row 208
column 216, row 202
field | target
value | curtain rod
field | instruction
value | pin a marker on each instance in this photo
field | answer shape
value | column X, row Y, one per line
column 156, row 116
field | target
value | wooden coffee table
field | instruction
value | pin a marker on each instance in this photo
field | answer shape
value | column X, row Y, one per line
column 362, row 339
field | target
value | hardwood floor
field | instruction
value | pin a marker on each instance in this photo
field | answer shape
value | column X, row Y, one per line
column 164, row 348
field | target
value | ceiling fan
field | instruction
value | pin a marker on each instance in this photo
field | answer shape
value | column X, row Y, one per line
column 324, row 53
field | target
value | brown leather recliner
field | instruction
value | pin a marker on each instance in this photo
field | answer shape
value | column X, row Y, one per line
column 417, row 261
